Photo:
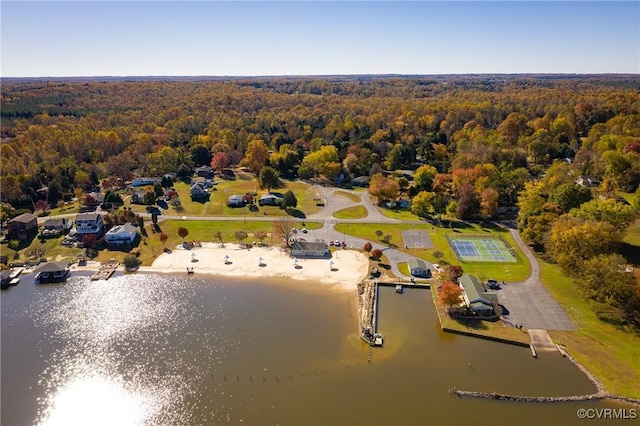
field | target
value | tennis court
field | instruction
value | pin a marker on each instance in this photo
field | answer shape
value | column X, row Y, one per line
column 482, row 249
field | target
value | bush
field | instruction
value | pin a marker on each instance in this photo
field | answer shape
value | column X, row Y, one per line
column 131, row 262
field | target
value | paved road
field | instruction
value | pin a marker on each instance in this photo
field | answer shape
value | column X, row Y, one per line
column 528, row 302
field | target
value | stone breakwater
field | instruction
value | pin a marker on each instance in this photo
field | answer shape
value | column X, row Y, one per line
column 366, row 306
column 600, row 394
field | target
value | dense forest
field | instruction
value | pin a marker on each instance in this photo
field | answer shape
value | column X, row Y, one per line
column 475, row 143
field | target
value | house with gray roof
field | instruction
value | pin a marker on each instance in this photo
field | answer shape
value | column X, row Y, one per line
column 419, row 268
column 309, row 249
column 476, row 298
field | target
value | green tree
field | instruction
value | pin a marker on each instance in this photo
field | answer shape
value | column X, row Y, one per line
column 422, row 204
column 289, row 200
column 157, row 188
column 618, row 214
column 394, row 157
column 424, row 177
column 131, row 262
column 317, row 161
column 569, row 195
column 269, row 178
column 149, row 198
column 200, row 154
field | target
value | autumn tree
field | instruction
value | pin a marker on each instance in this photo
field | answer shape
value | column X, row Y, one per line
column 321, row 161
column 571, row 241
column 183, row 232
column 468, row 204
column 488, row 202
column 283, row 228
column 41, row 205
column 260, row 235
column 450, row 294
column 376, row 254
column 384, row 188
column 241, row 236
column 367, row 247
column 163, row 239
column 268, row 178
column 218, row 236
column 220, row 161
column 256, row 155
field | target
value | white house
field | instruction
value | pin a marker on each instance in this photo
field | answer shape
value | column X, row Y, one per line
column 89, row 224
column 588, row 181
column 197, row 192
column 121, row 235
column 235, row 201
column 270, row 200
column 418, row 268
column 309, row 249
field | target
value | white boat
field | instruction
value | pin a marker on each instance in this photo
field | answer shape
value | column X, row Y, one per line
column 399, row 288
column 377, row 339
column 14, row 281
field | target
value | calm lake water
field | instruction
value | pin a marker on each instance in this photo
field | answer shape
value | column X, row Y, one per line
column 178, row 350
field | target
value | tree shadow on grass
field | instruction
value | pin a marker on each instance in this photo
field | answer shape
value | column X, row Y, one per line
column 296, row 213
column 472, row 324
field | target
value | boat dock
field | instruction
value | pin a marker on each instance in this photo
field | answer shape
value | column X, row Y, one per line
column 105, row 271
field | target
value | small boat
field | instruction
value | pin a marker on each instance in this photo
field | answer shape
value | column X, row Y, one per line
column 377, row 339
column 14, row 281
column 399, row 288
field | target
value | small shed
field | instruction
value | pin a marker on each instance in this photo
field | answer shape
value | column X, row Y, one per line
column 235, row 201
column 418, row 268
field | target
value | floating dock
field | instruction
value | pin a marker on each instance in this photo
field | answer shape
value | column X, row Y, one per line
column 106, row 271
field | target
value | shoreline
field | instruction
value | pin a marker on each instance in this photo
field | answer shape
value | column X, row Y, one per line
column 345, row 269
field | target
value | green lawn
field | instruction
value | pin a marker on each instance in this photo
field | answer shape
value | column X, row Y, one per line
column 217, row 204
column 609, row 352
column 399, row 214
column 483, row 270
column 355, row 212
column 353, row 197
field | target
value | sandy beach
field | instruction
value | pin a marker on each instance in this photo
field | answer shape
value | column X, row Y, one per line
column 344, row 270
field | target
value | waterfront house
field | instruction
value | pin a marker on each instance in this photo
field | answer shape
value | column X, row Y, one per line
column 22, row 227
column 418, row 268
column 482, row 303
column 89, row 224
column 51, row 272
column 198, row 193
column 54, row 227
column 309, row 249
column 121, row 235
column 235, row 201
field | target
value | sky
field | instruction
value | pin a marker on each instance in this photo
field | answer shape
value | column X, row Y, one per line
column 242, row 38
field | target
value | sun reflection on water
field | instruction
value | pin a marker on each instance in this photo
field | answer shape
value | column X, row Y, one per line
column 97, row 400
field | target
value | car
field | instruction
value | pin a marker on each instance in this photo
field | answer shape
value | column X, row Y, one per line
column 337, row 243
column 437, row 267
column 304, row 230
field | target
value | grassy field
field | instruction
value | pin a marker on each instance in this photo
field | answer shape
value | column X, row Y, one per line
column 351, row 196
column 609, row 352
column 217, row 204
column 355, row 212
column 483, row 270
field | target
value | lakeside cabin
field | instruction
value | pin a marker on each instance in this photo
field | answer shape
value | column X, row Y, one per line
column 480, row 302
column 309, row 249
column 121, row 235
column 52, row 272
column 419, row 268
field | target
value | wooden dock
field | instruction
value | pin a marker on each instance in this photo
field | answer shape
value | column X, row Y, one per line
column 105, row 271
